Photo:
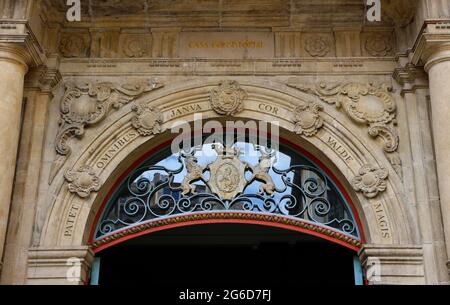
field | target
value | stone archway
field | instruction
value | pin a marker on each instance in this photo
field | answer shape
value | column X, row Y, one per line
column 343, row 146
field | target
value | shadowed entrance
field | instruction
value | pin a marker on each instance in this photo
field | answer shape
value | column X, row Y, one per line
column 226, row 254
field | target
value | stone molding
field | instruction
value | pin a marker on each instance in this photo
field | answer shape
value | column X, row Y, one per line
column 43, row 78
column 410, row 78
column 433, row 44
column 20, row 34
column 14, row 53
column 78, row 43
column 68, row 265
column 393, row 264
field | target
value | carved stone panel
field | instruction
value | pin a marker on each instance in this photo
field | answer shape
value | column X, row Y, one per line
column 378, row 44
column 318, row 45
column 74, row 44
column 136, row 45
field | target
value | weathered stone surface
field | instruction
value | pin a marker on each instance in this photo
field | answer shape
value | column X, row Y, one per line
column 351, row 93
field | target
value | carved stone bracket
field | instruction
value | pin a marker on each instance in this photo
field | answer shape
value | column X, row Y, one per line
column 147, row 120
column 89, row 104
column 370, row 181
column 307, row 119
column 228, row 98
column 82, row 181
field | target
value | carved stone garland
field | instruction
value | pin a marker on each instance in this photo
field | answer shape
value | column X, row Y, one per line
column 368, row 104
column 85, row 105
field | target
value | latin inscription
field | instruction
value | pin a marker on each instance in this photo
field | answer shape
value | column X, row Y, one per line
column 237, row 45
column 71, row 219
column 268, row 108
column 339, row 149
column 188, row 109
column 382, row 220
column 226, row 44
column 115, row 148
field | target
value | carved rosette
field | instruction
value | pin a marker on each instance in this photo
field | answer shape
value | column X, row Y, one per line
column 317, row 46
column 307, row 119
column 228, row 98
column 82, row 181
column 370, row 181
column 378, row 45
column 72, row 45
column 147, row 120
column 136, row 45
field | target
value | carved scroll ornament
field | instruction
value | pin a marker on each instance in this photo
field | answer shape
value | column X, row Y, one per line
column 85, row 105
column 366, row 104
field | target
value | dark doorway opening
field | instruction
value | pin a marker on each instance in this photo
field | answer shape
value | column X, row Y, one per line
column 226, row 254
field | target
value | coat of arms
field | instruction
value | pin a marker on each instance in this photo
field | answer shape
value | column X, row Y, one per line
column 227, row 173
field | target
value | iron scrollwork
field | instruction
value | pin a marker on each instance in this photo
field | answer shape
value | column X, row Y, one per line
column 228, row 184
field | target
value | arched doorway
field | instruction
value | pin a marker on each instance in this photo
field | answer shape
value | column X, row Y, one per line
column 116, row 149
column 227, row 254
column 214, row 191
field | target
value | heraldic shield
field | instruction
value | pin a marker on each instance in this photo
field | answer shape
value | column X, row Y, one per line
column 227, row 173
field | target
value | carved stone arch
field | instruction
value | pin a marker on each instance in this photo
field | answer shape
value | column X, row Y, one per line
column 71, row 217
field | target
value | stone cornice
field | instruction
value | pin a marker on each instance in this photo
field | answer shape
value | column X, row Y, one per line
column 43, row 78
column 18, row 33
column 410, row 78
column 434, row 38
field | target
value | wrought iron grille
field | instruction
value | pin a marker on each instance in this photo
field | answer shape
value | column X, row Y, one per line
column 213, row 178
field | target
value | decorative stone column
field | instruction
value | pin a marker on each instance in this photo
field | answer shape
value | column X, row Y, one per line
column 13, row 67
column 59, row 265
column 392, row 265
column 438, row 68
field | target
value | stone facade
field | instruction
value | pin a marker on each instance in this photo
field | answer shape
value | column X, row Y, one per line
column 80, row 101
